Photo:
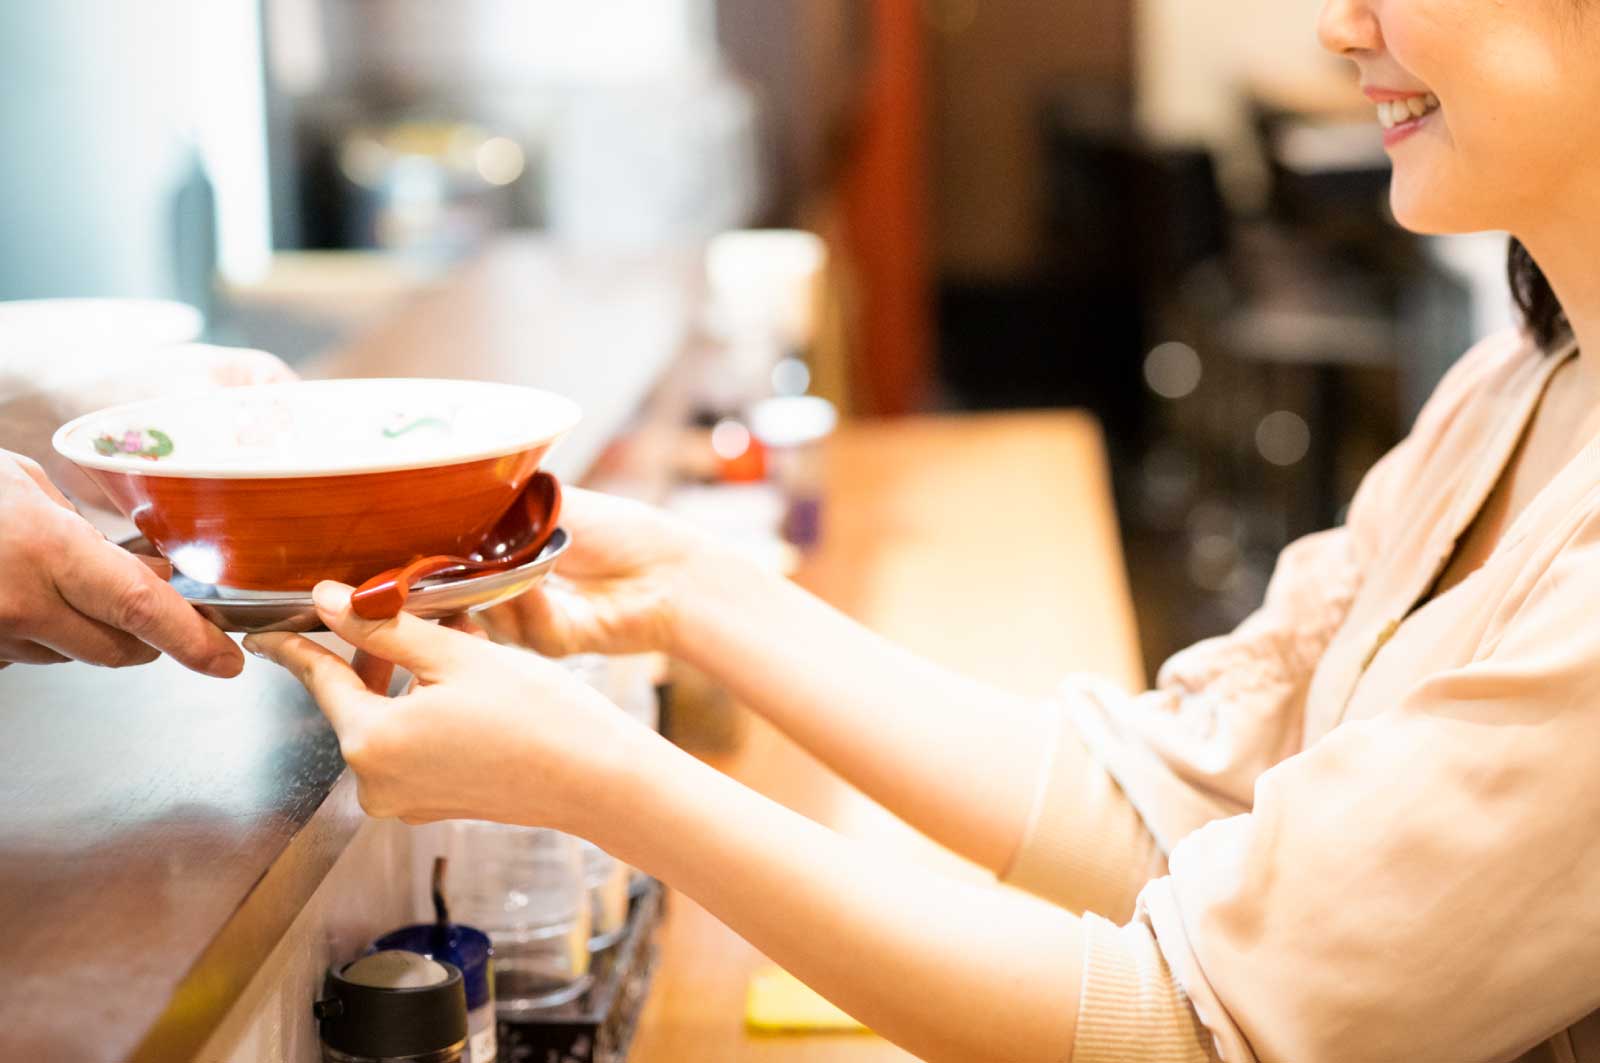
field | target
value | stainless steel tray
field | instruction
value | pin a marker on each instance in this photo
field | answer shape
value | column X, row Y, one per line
column 430, row 599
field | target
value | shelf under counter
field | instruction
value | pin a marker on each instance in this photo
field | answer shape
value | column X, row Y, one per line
column 161, row 832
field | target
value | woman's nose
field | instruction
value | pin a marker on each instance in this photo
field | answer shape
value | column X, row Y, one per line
column 1348, row 27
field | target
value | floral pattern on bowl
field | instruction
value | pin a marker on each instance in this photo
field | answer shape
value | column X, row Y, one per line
column 151, row 443
column 404, row 424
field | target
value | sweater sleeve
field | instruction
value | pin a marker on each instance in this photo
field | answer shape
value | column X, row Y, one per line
column 1086, row 848
column 1418, row 885
column 1130, row 776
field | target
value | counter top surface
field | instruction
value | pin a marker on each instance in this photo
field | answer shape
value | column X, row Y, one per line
column 159, row 829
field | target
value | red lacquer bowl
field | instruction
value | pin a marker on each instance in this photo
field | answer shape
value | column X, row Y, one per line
column 275, row 488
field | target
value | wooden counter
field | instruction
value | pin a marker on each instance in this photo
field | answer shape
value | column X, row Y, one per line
column 165, row 838
column 988, row 543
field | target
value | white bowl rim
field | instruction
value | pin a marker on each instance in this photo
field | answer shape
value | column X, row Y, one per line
column 567, row 411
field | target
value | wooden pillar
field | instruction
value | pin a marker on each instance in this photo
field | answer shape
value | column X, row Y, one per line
column 884, row 193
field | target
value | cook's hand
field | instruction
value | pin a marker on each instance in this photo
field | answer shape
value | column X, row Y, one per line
column 486, row 731
column 618, row 587
column 70, row 594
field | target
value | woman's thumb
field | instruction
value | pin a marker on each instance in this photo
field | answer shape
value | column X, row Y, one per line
column 425, row 650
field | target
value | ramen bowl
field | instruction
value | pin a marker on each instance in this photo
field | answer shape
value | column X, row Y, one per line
column 275, row 488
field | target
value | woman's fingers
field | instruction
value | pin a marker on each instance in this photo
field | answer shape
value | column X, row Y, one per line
column 465, row 624
column 335, row 685
column 375, row 673
column 538, row 619
column 425, row 650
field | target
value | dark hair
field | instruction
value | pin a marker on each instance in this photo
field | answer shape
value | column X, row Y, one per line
column 1542, row 315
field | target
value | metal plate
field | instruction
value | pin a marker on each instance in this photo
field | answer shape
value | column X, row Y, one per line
column 431, row 599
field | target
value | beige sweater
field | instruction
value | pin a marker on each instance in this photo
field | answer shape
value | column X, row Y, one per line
column 1348, row 830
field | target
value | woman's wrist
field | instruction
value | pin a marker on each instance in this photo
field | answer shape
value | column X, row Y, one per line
column 714, row 590
column 633, row 782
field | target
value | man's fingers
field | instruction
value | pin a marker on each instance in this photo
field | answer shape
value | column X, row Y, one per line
column 107, row 584
column 82, row 638
column 425, row 650
column 21, row 651
column 335, row 685
column 36, row 473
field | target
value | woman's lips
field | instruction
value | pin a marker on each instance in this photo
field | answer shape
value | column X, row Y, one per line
column 1393, row 135
column 1402, row 113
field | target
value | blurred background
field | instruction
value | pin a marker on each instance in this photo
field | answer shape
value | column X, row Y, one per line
column 1129, row 206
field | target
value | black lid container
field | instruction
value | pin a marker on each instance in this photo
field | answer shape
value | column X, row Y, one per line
column 393, row 1006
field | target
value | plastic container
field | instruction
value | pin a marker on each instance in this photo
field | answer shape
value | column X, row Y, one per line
column 606, row 880
column 524, row 887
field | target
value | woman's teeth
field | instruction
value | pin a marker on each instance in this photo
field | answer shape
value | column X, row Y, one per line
column 1397, row 112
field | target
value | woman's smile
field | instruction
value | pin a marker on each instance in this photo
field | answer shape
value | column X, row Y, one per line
column 1402, row 113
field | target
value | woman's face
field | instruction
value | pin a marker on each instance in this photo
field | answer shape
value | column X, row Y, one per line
column 1509, row 95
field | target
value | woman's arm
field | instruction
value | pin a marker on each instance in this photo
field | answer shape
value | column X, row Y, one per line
column 951, row 970
column 956, row 758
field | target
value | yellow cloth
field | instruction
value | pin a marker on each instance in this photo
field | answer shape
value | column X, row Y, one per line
column 778, row 1002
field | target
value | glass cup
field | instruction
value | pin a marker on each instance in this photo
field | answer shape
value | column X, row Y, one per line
column 606, row 879
column 525, row 888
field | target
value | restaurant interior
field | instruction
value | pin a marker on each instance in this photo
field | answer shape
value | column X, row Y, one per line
column 993, row 323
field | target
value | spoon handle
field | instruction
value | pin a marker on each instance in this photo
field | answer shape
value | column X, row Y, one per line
column 383, row 596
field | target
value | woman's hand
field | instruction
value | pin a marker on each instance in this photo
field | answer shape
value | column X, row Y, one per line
column 956, row 758
column 486, row 732
column 618, row 589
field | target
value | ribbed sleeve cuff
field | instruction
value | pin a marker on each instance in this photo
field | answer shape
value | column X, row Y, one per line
column 1085, row 849
column 1132, row 1009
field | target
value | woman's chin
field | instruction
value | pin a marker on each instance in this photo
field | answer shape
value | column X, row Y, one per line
column 1419, row 210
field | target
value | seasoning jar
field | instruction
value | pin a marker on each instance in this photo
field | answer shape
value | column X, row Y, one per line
column 468, row 949
column 393, row 1007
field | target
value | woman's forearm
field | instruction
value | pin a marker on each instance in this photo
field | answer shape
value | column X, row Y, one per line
column 949, row 970
column 956, row 758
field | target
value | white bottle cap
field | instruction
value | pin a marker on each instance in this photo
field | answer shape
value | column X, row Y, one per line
column 792, row 420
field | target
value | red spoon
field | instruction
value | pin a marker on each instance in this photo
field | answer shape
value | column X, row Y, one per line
column 517, row 537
